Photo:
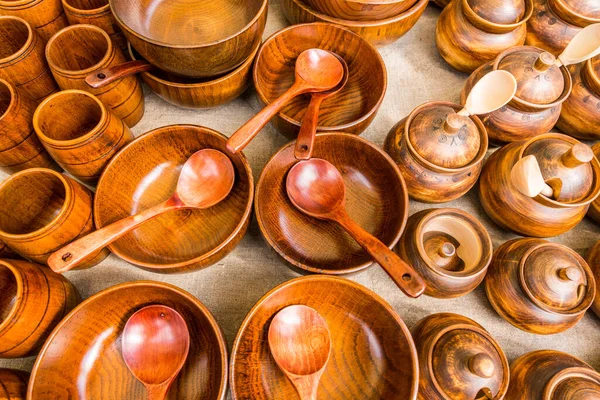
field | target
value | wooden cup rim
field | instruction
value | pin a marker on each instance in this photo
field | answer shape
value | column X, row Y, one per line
column 85, row 12
column 13, row 97
column 28, row 42
column 13, row 311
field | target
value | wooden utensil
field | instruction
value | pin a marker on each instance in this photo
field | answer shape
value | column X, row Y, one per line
column 316, row 71
column 45, row 16
column 205, row 180
column 317, row 188
column 527, row 178
column 300, row 342
column 585, row 45
column 156, row 343
column 104, row 76
column 308, row 130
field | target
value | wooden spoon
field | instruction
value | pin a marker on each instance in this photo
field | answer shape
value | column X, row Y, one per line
column 206, row 179
column 156, row 343
column 103, row 77
column 316, row 71
column 300, row 343
column 584, row 45
column 308, row 129
column 490, row 93
column 527, row 178
column 317, row 189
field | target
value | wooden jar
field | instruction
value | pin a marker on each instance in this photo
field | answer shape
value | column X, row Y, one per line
column 13, row 384
column 552, row 375
column 594, row 211
column 95, row 12
column 439, row 153
column 45, row 16
column 539, row 216
column 470, row 33
column 593, row 260
column 33, row 300
column 538, row 286
column 458, row 360
column 449, row 249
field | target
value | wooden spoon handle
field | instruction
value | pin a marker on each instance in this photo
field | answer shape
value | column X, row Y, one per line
column 308, row 130
column 158, row 392
column 78, row 251
column 105, row 76
column 405, row 277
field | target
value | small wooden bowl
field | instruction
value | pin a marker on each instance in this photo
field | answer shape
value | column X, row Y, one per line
column 13, row 384
column 352, row 109
column 377, row 200
column 197, row 39
column 361, row 11
column 380, row 32
column 145, row 174
column 372, row 357
column 593, row 260
column 85, row 348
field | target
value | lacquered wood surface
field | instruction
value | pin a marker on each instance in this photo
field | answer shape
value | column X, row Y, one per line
column 13, row 384
column 147, row 170
column 46, row 16
column 7, row 252
column 33, row 300
column 594, row 210
column 372, row 356
column 95, row 12
column 361, row 10
column 83, row 359
column 593, row 260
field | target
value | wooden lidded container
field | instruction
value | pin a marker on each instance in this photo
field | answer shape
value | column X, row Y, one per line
column 593, row 260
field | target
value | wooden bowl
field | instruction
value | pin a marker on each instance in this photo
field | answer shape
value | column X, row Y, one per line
column 145, row 174
column 593, row 260
column 196, row 39
column 352, row 109
column 377, row 200
column 84, row 351
column 380, row 32
column 13, row 384
column 373, row 355
column 361, row 11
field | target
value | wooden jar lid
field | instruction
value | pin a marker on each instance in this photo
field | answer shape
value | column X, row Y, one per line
column 499, row 11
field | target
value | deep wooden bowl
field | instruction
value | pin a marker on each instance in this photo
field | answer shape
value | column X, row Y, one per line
column 13, row 384
column 84, row 351
column 352, row 109
column 373, row 355
column 145, row 174
column 361, row 11
column 196, row 39
column 379, row 32
column 377, row 200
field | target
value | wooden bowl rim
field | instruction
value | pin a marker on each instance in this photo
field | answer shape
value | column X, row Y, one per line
column 553, row 5
column 158, row 131
column 30, row 36
column 214, row 326
column 13, row 100
column 335, row 128
column 12, row 315
column 590, row 73
column 570, row 372
column 480, row 21
column 332, row 279
column 344, row 271
column 18, row 3
column 86, row 12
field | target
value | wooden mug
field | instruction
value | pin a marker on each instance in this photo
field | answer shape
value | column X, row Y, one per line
column 20, row 147
column 33, row 300
column 80, row 132
column 45, row 16
column 43, row 211
column 77, row 51
column 95, row 12
column 22, row 60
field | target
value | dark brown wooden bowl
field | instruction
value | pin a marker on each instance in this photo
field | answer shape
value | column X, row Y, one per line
column 352, row 109
column 145, row 174
column 13, row 384
column 372, row 357
column 377, row 200
column 84, row 351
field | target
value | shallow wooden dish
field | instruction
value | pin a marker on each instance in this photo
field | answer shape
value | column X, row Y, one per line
column 91, row 337
column 352, row 109
column 147, row 170
column 373, row 355
column 377, row 200
column 361, row 11
column 197, row 38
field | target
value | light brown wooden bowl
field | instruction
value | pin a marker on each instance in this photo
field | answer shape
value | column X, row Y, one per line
column 361, row 11
column 145, row 174
column 196, row 39
column 377, row 200
column 13, row 384
column 379, row 32
column 373, row 355
column 84, row 351
column 352, row 109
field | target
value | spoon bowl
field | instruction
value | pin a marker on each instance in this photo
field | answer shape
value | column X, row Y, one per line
column 490, row 93
column 584, row 45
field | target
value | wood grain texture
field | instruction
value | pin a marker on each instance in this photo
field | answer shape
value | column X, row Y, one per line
column 22, row 60
column 196, row 39
column 438, row 166
column 594, row 210
column 539, row 286
column 90, row 336
column 373, row 355
column 80, row 133
column 147, row 170
column 46, row 16
column 33, row 300
column 458, row 359
column 7, row 252
column 466, row 38
column 593, row 260
column 449, row 248
column 361, row 11
column 351, row 110
column 379, row 32
column 376, row 198
column 43, row 211
column 95, row 12
column 13, row 384
column 77, row 51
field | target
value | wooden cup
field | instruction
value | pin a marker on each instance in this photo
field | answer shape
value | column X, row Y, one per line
column 80, row 133
column 95, row 12
column 45, row 16
column 22, row 60
column 33, row 300
column 42, row 211
column 77, row 51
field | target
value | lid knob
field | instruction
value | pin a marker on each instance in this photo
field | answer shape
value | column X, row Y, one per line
column 577, row 155
column 454, row 123
column 572, row 274
column 482, row 365
column 544, row 61
column 447, row 250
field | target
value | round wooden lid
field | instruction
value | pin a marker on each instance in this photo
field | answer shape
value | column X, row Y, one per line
column 499, row 11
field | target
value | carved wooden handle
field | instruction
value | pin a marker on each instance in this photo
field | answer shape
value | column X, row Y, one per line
column 308, row 130
column 105, row 76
